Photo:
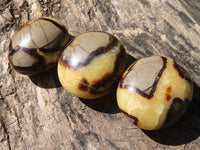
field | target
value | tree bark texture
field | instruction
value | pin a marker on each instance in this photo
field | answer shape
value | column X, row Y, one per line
column 37, row 113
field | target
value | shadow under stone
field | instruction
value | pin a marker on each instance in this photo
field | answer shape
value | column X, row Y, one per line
column 130, row 60
column 48, row 79
column 105, row 104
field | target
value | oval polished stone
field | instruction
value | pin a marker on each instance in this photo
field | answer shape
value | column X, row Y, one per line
column 91, row 64
column 37, row 45
column 154, row 92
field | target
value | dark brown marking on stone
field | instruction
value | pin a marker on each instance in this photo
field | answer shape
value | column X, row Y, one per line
column 176, row 110
column 83, row 85
column 50, row 50
column 175, row 102
column 61, row 27
column 43, row 49
column 91, row 56
column 30, row 51
column 135, row 119
column 182, row 72
column 11, row 50
column 97, row 52
column 37, row 67
column 152, row 87
column 33, row 52
column 167, row 94
column 58, row 44
column 110, row 78
column 57, row 48
column 94, row 88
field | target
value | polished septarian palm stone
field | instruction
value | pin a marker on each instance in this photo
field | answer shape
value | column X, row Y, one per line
column 91, row 64
column 154, row 92
column 37, row 45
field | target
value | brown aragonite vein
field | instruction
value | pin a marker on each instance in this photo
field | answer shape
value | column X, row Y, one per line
column 49, row 50
column 56, row 24
column 91, row 56
column 83, row 85
column 109, row 77
column 12, row 51
column 182, row 72
column 31, row 52
column 62, row 36
column 178, row 107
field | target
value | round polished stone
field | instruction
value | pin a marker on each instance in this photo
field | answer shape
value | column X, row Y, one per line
column 154, row 92
column 91, row 64
column 37, row 45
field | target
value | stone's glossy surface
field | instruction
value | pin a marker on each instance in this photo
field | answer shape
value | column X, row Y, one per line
column 154, row 92
column 37, row 45
column 91, row 64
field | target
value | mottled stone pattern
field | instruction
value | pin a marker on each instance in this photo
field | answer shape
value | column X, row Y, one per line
column 92, row 64
column 37, row 113
column 155, row 92
column 37, row 45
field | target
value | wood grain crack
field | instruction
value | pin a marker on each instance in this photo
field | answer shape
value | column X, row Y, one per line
column 6, row 133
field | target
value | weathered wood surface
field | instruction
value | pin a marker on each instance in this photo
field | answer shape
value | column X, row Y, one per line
column 37, row 113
